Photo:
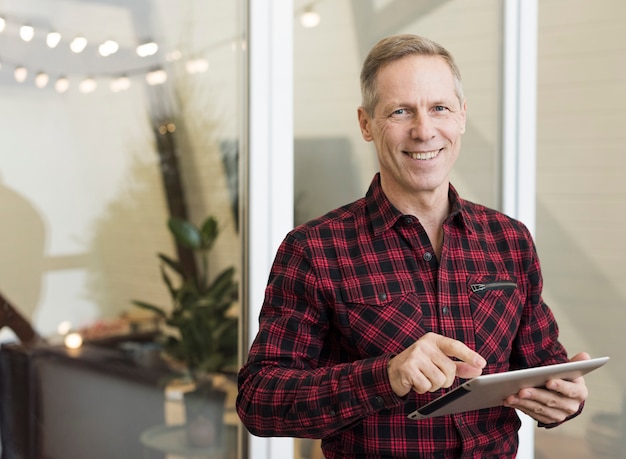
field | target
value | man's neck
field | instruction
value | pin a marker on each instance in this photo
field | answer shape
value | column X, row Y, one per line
column 431, row 208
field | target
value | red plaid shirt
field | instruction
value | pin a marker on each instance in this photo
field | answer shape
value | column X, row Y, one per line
column 357, row 286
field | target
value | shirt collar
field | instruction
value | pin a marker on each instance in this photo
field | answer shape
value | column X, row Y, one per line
column 460, row 211
column 383, row 215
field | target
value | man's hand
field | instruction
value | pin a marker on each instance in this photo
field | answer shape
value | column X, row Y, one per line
column 427, row 365
column 556, row 403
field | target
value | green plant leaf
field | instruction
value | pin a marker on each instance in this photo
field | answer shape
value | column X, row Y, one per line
column 185, row 233
column 158, row 310
column 168, row 282
column 174, row 264
column 223, row 284
column 199, row 330
column 209, row 232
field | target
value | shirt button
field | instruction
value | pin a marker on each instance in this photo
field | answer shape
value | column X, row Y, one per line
column 428, row 256
column 408, row 220
column 379, row 402
column 445, row 310
column 382, row 296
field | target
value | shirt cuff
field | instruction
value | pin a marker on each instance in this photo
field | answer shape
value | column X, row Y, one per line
column 372, row 384
column 556, row 424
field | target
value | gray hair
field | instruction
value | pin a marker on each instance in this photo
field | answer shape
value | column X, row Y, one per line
column 396, row 47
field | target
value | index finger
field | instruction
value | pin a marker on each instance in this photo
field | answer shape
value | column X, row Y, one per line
column 455, row 348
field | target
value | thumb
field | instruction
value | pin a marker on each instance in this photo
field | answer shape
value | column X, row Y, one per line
column 580, row 356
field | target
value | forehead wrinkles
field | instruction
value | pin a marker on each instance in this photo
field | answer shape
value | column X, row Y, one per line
column 417, row 78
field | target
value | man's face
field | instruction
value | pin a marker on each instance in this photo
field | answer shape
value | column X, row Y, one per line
column 416, row 127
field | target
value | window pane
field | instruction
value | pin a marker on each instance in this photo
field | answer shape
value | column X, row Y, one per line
column 333, row 164
column 100, row 147
column 581, row 199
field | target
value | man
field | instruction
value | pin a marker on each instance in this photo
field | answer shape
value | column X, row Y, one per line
column 369, row 310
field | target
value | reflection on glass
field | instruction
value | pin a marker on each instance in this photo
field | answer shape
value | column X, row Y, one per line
column 94, row 163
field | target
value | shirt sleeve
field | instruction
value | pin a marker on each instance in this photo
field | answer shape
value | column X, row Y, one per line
column 283, row 388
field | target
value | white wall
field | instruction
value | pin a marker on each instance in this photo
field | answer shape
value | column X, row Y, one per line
column 581, row 187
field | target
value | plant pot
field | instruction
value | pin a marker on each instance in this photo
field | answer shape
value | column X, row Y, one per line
column 204, row 411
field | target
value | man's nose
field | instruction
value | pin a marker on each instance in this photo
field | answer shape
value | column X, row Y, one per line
column 422, row 127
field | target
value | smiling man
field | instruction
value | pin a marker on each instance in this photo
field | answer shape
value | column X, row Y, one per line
column 369, row 311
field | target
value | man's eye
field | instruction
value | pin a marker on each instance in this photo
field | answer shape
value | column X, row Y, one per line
column 399, row 111
column 440, row 108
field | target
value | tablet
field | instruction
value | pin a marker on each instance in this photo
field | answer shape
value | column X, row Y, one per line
column 491, row 390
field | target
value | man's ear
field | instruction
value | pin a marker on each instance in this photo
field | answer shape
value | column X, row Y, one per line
column 364, row 124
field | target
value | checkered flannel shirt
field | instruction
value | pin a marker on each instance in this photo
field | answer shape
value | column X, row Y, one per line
column 350, row 290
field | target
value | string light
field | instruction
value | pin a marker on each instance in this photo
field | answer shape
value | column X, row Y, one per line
column 73, row 341
column 87, row 85
column 41, row 80
column 147, row 49
column 199, row 65
column 27, row 32
column 121, row 83
column 62, row 85
column 310, row 18
column 53, row 39
column 117, row 83
column 78, row 44
column 20, row 74
column 108, row 48
column 156, row 77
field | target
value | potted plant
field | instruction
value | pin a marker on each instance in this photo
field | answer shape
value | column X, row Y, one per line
column 200, row 333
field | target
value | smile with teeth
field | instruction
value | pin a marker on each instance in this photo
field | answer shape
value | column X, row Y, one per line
column 423, row 155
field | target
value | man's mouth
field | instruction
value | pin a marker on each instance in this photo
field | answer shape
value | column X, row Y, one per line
column 423, row 155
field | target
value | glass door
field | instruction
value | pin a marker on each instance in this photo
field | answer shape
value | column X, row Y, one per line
column 123, row 129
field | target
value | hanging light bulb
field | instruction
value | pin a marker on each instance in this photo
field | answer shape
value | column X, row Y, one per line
column 73, row 341
column 108, row 47
column 41, row 80
column 20, row 74
column 27, row 32
column 62, row 84
column 53, row 39
column 199, row 65
column 155, row 77
column 78, row 44
column 147, row 49
column 87, row 85
column 310, row 18
column 3, row 24
column 121, row 83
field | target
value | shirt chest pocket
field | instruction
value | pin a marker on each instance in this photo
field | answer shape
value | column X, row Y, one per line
column 380, row 322
column 496, row 304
